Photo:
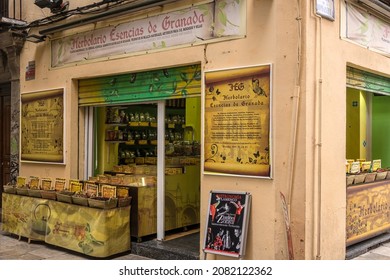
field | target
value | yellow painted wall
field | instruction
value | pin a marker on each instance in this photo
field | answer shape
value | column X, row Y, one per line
column 357, row 128
column 353, row 124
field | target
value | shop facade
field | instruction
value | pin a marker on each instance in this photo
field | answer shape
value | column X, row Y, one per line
column 142, row 81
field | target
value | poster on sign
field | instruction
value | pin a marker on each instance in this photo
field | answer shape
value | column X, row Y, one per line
column 227, row 223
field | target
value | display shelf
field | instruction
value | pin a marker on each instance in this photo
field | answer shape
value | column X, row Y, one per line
column 115, row 124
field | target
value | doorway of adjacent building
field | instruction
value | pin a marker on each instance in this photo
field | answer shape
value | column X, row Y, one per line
column 5, row 128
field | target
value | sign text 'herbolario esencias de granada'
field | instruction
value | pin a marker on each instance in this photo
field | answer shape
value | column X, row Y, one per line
column 188, row 26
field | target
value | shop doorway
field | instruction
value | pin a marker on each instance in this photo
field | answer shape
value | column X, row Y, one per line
column 153, row 151
column 5, row 128
column 367, row 156
column 144, row 129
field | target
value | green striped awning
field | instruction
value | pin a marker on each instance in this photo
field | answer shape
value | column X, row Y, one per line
column 168, row 83
column 363, row 80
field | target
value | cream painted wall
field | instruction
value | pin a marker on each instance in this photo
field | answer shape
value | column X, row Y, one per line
column 262, row 45
column 328, row 79
column 317, row 193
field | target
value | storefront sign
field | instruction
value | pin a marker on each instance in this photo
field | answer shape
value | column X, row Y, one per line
column 367, row 30
column 189, row 26
column 368, row 211
column 42, row 122
column 237, row 121
column 227, row 223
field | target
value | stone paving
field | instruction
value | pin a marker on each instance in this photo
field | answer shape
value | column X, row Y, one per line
column 11, row 248
column 380, row 253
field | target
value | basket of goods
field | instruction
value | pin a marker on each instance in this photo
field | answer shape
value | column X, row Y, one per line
column 350, row 179
column 49, row 194
column 22, row 190
column 9, row 189
column 359, row 178
column 65, row 196
column 102, row 202
column 21, row 186
column 34, row 192
column 124, row 201
column 80, row 199
column 46, row 184
column 370, row 177
column 381, row 174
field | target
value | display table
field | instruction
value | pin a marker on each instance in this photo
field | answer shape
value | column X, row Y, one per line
column 368, row 210
column 182, row 204
column 91, row 231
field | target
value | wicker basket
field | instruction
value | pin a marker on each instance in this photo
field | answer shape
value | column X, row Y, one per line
column 381, row 175
column 22, row 191
column 350, row 179
column 34, row 193
column 80, row 200
column 65, row 196
column 48, row 194
column 124, row 201
column 102, row 202
column 359, row 178
column 370, row 177
column 9, row 189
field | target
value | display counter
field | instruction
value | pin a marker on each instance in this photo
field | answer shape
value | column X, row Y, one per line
column 91, row 231
column 182, row 203
column 368, row 210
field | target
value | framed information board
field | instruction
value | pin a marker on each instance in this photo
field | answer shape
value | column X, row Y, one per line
column 237, row 122
column 42, row 126
column 227, row 223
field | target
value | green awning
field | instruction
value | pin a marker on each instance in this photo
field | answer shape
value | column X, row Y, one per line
column 167, row 83
column 363, row 80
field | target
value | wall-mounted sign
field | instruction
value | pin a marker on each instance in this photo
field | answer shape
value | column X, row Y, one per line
column 30, row 71
column 325, row 8
column 227, row 223
column 237, row 122
column 366, row 29
column 188, row 26
column 42, row 126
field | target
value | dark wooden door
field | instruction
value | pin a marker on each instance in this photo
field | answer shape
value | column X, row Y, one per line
column 5, row 131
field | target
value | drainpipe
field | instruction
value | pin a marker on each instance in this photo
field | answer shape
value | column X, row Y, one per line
column 317, row 194
column 295, row 108
column 294, row 122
